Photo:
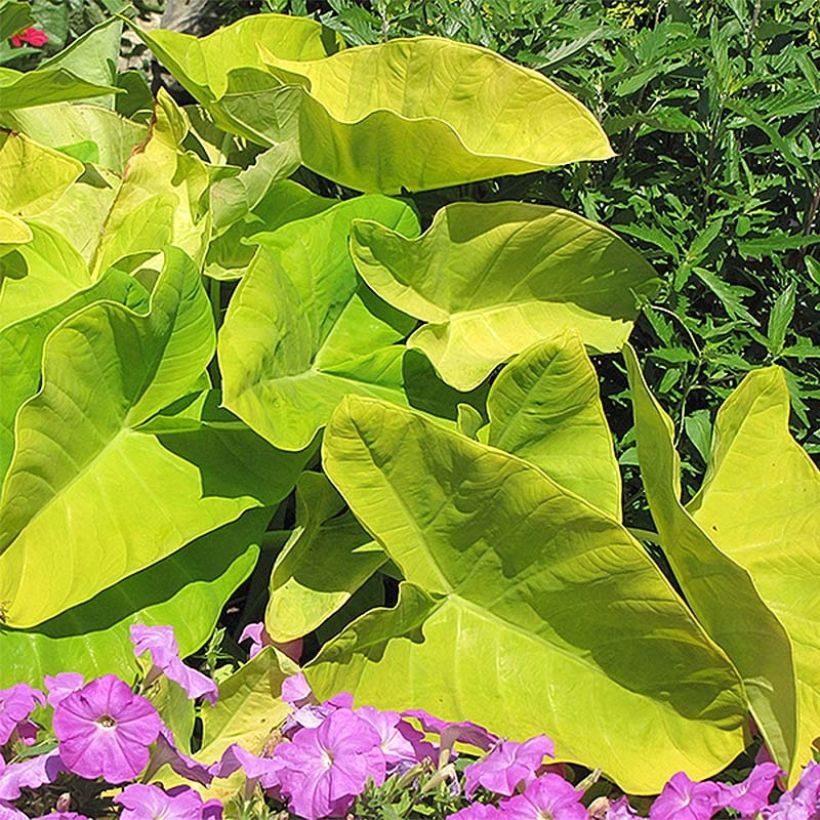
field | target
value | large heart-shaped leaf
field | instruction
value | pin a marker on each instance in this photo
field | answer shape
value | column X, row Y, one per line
column 187, row 590
column 545, row 407
column 39, row 274
column 526, row 609
column 162, row 199
column 328, row 557
column 34, row 176
column 492, row 279
column 93, row 57
column 21, row 347
column 88, row 492
column 101, row 136
column 44, row 86
column 202, row 65
column 760, row 503
column 425, row 113
column 720, row 591
column 302, row 331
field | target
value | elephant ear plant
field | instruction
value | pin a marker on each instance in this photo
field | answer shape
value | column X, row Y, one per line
column 237, row 343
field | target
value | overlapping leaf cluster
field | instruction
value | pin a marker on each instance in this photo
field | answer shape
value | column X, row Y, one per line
column 189, row 330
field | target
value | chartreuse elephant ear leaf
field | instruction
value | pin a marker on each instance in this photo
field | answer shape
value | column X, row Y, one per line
column 302, row 331
column 21, row 347
column 44, row 86
column 508, row 576
column 162, row 200
column 723, row 593
column 187, row 589
column 202, row 65
column 760, row 504
column 545, row 407
column 88, row 498
column 490, row 280
column 327, row 558
column 34, row 176
column 424, row 113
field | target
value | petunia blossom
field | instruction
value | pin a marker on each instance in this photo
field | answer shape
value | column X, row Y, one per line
column 8, row 812
column 160, row 642
column 621, row 810
column 477, row 811
column 752, row 795
column 105, row 730
column 29, row 773
column 264, row 770
column 400, row 742
column 452, row 733
column 141, row 801
column 803, row 801
column 548, row 796
column 30, row 36
column 507, row 765
column 296, row 691
column 324, row 769
column 166, row 753
column 259, row 638
column 682, row 799
column 62, row 685
column 16, row 705
column 62, row 815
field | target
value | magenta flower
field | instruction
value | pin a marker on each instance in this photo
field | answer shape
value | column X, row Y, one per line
column 548, row 796
column 59, row 686
column 478, row 811
column 8, row 812
column 750, row 796
column 507, row 765
column 105, row 730
column 452, row 733
column 141, row 802
column 62, row 815
column 160, row 642
column 259, row 638
column 296, row 690
column 803, row 801
column 16, row 704
column 324, row 769
column 400, row 742
column 264, row 770
column 620, row 810
column 166, row 753
column 30, row 773
column 681, row 799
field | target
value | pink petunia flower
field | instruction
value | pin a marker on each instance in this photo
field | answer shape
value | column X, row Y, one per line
column 16, row 705
column 750, row 796
column 105, row 730
column 621, row 810
column 682, row 799
column 324, row 769
column 31, row 36
column 166, row 753
column 548, row 796
column 296, row 691
column 400, row 742
column 803, row 801
column 478, row 811
column 507, row 765
column 62, row 685
column 160, row 642
column 264, row 770
column 8, row 812
column 62, row 815
column 452, row 733
column 259, row 638
column 141, row 801
column 30, row 773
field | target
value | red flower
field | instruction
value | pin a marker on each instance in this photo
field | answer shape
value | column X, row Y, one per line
column 33, row 36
